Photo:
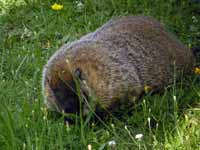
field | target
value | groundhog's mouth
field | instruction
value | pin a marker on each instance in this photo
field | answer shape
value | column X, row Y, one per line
column 66, row 96
column 69, row 94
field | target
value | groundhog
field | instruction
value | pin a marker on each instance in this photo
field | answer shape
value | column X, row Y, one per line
column 115, row 63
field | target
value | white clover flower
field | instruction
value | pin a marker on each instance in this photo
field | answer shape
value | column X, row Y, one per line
column 89, row 147
column 44, row 118
column 157, row 125
column 79, row 5
column 112, row 143
column 186, row 117
column 24, row 146
column 125, row 127
column 33, row 112
column 149, row 109
column 67, row 125
column 93, row 124
column 149, row 119
column 194, row 19
column 139, row 136
column 174, row 97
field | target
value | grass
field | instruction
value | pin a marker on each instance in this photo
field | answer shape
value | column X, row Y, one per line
column 30, row 32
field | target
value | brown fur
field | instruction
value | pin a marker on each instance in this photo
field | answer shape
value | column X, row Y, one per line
column 116, row 61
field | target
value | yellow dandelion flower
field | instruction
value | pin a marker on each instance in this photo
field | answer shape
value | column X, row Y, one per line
column 197, row 70
column 56, row 6
column 147, row 88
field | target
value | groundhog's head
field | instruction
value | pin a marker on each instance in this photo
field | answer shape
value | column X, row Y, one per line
column 60, row 89
column 59, row 86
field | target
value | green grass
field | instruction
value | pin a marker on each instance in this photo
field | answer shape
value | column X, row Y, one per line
column 30, row 32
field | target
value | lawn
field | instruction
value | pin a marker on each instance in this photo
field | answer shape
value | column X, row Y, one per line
column 30, row 32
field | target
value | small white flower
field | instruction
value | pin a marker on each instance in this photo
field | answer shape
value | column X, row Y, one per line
column 194, row 19
column 174, row 97
column 24, row 146
column 144, row 101
column 79, row 5
column 139, row 136
column 112, row 143
column 44, row 118
column 112, row 125
column 67, row 125
column 93, row 124
column 149, row 119
column 33, row 112
column 89, row 147
column 157, row 125
column 186, row 118
column 149, row 109
column 125, row 127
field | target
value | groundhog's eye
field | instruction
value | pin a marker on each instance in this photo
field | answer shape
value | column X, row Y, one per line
column 78, row 74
